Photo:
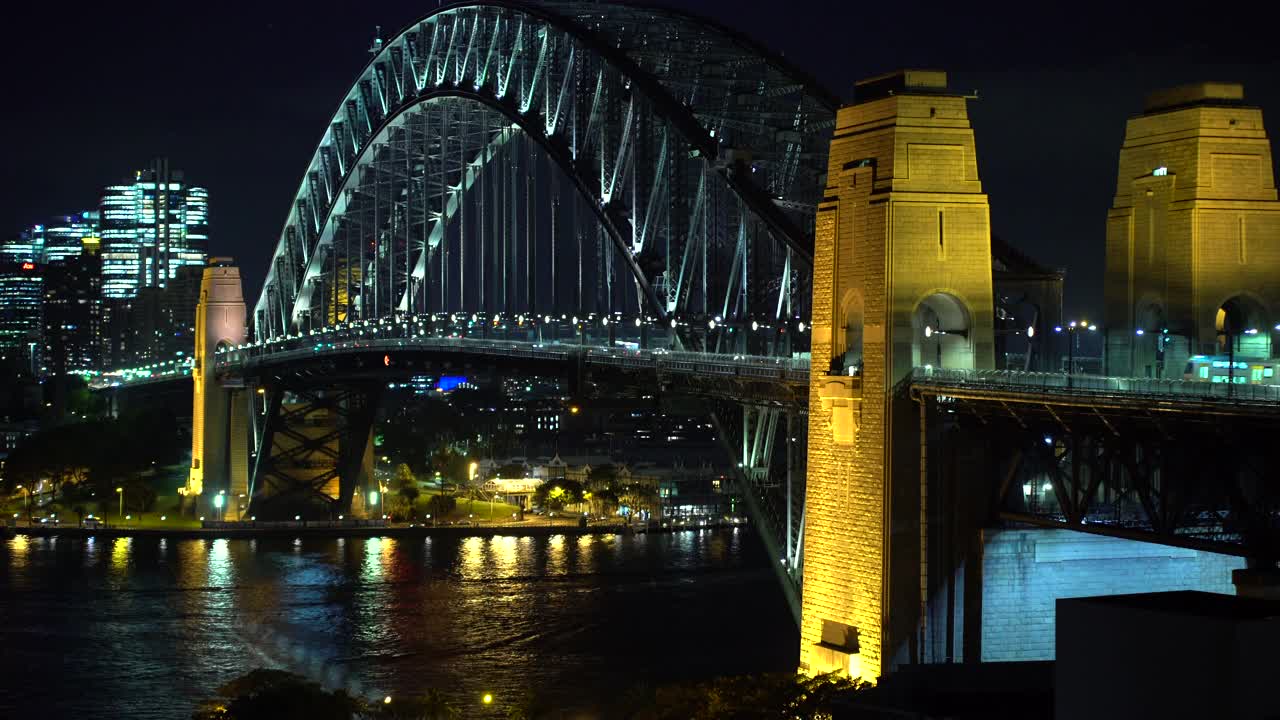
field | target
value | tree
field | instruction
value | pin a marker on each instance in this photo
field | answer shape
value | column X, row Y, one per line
column 452, row 466
column 63, row 457
column 776, row 696
column 556, row 494
column 511, row 471
column 431, row 705
column 407, row 487
column 277, row 695
column 439, row 506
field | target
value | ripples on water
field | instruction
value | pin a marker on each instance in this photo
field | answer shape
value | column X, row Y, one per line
column 146, row 627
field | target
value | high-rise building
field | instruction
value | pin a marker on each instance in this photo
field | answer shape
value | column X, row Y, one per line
column 73, row 314
column 69, row 236
column 21, row 313
column 152, row 226
column 27, row 247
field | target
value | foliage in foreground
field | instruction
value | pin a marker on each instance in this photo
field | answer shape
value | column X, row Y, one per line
column 279, row 695
column 775, row 696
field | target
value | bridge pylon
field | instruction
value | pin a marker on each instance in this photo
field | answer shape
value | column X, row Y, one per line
column 1192, row 251
column 219, row 417
column 901, row 278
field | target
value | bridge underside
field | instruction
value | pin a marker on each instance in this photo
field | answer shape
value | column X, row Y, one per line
column 1178, row 474
column 315, row 406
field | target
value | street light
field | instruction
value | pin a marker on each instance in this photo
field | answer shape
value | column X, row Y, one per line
column 120, row 492
column 1071, row 329
column 218, row 501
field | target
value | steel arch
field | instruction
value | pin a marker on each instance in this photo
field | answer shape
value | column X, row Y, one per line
column 709, row 96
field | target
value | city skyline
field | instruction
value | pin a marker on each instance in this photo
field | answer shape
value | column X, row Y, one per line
column 1051, row 176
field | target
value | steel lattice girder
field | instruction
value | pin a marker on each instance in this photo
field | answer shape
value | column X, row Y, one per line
column 690, row 146
column 318, row 436
column 1173, row 477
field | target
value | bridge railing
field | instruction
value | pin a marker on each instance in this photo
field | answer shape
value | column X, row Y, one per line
column 407, row 336
column 1096, row 385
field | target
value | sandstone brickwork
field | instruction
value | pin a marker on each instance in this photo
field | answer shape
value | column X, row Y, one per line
column 1195, row 223
column 902, row 277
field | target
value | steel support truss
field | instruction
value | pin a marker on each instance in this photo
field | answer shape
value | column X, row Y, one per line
column 312, row 446
column 1139, row 470
column 768, row 446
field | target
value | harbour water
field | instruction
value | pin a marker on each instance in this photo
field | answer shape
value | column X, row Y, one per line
column 147, row 627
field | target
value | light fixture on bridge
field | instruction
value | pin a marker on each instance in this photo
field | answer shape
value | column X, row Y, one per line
column 638, row 322
column 1031, row 331
column 711, row 325
column 801, row 326
column 928, row 331
column 604, row 321
column 755, row 325
column 673, row 323
column 1139, row 332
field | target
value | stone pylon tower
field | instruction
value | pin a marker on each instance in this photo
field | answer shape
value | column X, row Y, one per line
column 219, row 439
column 901, row 278
column 1193, row 236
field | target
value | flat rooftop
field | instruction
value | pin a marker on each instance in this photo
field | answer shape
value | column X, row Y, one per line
column 1201, row 93
column 1190, row 602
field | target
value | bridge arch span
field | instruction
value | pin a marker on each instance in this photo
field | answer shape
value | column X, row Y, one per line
column 697, row 153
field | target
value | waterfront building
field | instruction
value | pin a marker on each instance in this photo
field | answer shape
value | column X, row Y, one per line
column 152, row 226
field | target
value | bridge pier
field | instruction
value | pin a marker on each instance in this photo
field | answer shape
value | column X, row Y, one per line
column 218, row 479
column 315, row 452
column 902, row 277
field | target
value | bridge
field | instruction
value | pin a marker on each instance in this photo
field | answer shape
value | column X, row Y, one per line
column 637, row 197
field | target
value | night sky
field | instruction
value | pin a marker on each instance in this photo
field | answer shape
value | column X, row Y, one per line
column 237, row 94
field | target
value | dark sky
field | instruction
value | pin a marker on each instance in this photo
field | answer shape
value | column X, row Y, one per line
column 237, row 94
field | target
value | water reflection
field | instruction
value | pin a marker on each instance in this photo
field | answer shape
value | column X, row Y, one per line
column 505, row 549
column 19, row 546
column 120, row 548
column 508, row 615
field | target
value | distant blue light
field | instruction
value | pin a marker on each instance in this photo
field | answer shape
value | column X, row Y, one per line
column 450, row 382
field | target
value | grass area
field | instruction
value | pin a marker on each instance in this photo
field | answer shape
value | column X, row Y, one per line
column 164, row 513
column 482, row 511
column 477, row 510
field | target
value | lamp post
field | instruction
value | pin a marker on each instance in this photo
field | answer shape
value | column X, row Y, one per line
column 219, row 502
column 27, row 491
column 120, row 492
column 1071, row 329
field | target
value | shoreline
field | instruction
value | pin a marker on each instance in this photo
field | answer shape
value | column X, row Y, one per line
column 357, row 532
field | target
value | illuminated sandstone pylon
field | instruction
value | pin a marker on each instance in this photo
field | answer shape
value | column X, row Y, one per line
column 1193, row 236
column 218, row 427
column 901, row 279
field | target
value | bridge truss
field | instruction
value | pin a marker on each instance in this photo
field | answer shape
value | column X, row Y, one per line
column 1170, row 462
column 570, row 172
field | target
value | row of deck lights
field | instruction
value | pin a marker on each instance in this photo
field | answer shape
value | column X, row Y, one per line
column 522, row 321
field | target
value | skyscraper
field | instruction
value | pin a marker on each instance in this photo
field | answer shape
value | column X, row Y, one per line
column 27, row 247
column 73, row 313
column 21, row 313
column 69, row 236
column 151, row 227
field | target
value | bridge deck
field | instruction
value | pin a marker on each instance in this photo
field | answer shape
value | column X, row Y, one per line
column 1144, row 394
